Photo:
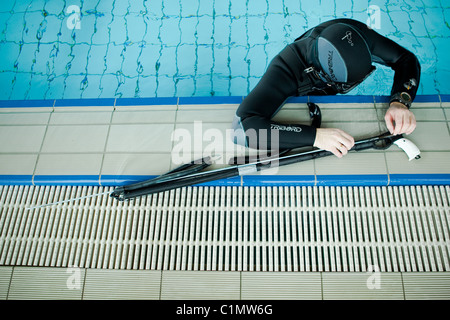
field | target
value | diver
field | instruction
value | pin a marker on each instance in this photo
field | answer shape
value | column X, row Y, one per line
column 331, row 58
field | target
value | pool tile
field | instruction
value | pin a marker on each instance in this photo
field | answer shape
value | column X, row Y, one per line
column 121, row 284
column 46, row 283
column 80, row 118
column 430, row 114
column 119, row 164
column 426, row 286
column 362, row 286
column 354, row 163
column 69, row 164
column 144, row 138
column 189, row 114
column 447, row 113
column 133, row 116
column 347, row 114
column 21, row 138
column 204, row 137
column 75, row 139
column 337, row 105
column 188, row 285
column 24, row 118
column 17, row 164
column 281, row 285
column 425, row 104
column 430, row 162
column 359, row 130
column 417, row 104
column 421, row 114
column 5, row 279
column 431, row 136
column 301, row 168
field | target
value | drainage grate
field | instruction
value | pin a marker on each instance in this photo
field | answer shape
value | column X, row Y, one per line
column 230, row 228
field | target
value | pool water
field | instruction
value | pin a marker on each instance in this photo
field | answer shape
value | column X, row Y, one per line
column 181, row 48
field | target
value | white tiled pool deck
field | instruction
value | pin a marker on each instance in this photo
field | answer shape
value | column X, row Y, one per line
column 23, row 283
column 109, row 142
column 114, row 141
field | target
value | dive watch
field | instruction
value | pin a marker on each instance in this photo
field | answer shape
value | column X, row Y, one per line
column 402, row 97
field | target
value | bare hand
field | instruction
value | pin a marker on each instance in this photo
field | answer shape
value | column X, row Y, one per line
column 334, row 140
column 399, row 119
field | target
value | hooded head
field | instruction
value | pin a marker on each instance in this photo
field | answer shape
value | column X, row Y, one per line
column 343, row 53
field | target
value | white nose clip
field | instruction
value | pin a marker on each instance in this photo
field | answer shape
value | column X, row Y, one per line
column 410, row 148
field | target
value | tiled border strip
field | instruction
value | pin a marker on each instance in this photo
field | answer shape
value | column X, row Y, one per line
column 259, row 180
column 42, row 283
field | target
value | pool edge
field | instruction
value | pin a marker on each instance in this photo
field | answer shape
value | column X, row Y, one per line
column 259, row 180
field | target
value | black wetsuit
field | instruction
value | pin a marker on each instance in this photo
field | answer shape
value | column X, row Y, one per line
column 296, row 70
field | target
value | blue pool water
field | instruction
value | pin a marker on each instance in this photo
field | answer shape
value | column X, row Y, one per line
column 165, row 48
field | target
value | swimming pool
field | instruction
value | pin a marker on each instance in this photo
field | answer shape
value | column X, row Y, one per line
column 172, row 48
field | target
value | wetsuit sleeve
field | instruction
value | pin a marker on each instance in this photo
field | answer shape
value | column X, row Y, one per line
column 254, row 116
column 387, row 52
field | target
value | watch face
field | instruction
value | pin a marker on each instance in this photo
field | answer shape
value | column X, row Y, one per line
column 405, row 96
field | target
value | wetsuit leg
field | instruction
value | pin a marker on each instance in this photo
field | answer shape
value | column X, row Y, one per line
column 253, row 125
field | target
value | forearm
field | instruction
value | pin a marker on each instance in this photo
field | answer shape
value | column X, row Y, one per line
column 406, row 79
column 262, row 133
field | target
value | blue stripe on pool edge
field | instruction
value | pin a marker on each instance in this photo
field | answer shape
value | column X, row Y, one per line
column 66, row 180
column 103, row 102
column 445, row 97
column 146, row 101
column 115, row 181
column 353, row 180
column 210, row 100
column 26, row 103
column 419, row 179
column 342, row 99
column 7, row 180
column 248, row 180
column 203, row 100
column 228, row 182
column 278, row 180
column 427, row 98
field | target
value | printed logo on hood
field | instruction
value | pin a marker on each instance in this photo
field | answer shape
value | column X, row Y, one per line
column 348, row 36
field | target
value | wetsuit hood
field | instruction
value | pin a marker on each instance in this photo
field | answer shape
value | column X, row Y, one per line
column 343, row 53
